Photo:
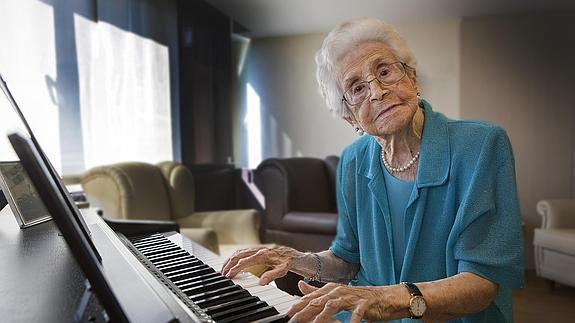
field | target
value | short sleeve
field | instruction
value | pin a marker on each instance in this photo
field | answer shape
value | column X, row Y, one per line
column 490, row 239
column 345, row 245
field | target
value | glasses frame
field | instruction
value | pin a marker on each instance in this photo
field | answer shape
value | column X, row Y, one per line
column 404, row 68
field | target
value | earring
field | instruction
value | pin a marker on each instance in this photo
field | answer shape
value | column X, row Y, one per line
column 359, row 131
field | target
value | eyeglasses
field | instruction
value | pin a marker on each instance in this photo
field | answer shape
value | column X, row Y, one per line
column 387, row 74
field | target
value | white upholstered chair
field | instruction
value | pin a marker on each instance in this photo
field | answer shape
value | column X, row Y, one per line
column 555, row 241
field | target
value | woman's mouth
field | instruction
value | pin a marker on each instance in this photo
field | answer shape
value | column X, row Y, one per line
column 387, row 109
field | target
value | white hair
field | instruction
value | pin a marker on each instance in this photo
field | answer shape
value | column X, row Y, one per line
column 340, row 41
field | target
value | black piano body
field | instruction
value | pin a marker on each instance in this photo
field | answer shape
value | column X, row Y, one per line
column 41, row 282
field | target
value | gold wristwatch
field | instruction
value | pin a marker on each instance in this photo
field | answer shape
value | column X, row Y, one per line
column 417, row 305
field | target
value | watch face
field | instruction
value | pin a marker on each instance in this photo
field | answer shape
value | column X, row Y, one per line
column 417, row 306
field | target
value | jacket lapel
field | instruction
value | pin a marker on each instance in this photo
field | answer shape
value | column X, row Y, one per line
column 434, row 164
column 370, row 167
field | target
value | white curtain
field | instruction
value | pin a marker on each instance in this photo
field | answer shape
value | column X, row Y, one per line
column 124, row 95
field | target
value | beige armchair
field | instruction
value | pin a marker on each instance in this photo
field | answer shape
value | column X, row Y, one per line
column 165, row 191
column 555, row 241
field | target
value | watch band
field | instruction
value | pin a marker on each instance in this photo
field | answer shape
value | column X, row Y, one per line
column 416, row 298
column 412, row 288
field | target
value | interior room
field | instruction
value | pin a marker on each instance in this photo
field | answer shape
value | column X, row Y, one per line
column 205, row 117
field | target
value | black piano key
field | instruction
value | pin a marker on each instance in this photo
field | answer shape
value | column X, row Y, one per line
column 237, row 310
column 170, row 261
column 207, row 287
column 197, row 278
column 251, row 315
column 196, row 283
column 154, row 236
column 190, row 274
column 212, row 293
column 179, row 264
column 155, row 251
column 169, row 255
column 143, row 244
column 231, row 304
column 219, row 299
column 150, row 243
column 182, row 267
column 179, row 272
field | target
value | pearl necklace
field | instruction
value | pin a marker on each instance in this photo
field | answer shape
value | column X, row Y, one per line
column 398, row 169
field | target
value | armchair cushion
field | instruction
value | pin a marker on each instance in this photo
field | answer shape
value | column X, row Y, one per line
column 205, row 237
column 561, row 240
column 232, row 226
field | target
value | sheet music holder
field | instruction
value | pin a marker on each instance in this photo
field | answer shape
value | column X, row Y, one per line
column 67, row 220
column 51, row 171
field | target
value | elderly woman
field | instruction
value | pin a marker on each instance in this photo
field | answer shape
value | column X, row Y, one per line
column 429, row 224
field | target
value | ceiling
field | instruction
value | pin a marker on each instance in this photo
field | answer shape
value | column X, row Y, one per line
column 265, row 18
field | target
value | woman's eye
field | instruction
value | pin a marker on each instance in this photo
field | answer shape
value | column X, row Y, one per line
column 384, row 72
column 358, row 88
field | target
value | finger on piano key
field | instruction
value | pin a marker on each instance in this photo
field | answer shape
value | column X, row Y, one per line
column 246, row 280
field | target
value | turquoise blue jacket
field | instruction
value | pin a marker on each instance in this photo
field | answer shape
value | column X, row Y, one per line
column 463, row 214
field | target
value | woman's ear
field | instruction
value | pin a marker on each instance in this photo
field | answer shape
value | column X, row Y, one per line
column 412, row 74
column 350, row 118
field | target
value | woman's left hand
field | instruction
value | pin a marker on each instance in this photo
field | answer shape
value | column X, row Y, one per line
column 369, row 303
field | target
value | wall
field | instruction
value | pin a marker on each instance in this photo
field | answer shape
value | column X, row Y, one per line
column 518, row 72
column 295, row 120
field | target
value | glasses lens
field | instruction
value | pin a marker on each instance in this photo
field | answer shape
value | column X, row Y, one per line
column 390, row 74
column 357, row 92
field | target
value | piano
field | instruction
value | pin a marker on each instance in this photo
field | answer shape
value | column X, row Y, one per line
column 80, row 268
column 157, row 277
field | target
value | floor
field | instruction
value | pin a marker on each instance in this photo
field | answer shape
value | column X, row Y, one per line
column 537, row 302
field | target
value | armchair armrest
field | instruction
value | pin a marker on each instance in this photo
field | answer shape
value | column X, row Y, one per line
column 310, row 222
column 557, row 213
column 231, row 226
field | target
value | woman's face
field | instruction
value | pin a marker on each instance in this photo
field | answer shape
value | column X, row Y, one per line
column 389, row 108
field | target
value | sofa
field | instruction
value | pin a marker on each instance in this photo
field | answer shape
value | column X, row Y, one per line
column 554, row 241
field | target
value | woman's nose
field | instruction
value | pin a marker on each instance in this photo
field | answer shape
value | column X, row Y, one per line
column 378, row 90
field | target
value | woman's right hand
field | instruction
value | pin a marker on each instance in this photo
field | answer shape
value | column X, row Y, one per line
column 279, row 258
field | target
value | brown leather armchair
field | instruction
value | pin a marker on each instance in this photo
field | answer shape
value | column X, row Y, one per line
column 300, row 205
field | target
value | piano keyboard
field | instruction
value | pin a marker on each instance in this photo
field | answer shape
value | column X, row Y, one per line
column 192, row 273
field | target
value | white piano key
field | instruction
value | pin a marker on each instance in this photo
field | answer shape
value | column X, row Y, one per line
column 284, row 308
column 272, row 295
column 246, row 280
